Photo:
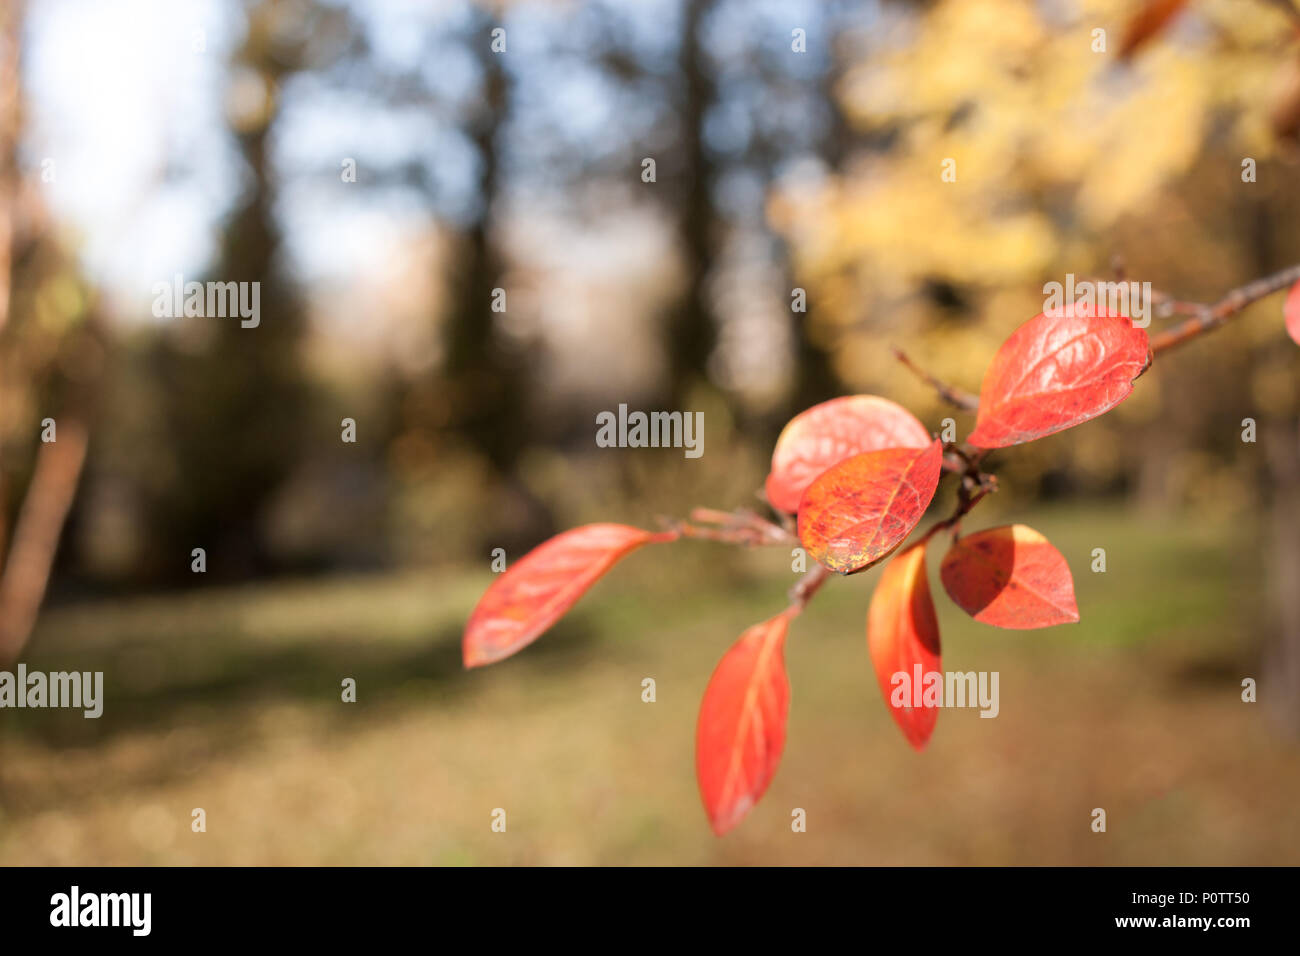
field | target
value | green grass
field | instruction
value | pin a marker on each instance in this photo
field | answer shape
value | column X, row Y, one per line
column 229, row 701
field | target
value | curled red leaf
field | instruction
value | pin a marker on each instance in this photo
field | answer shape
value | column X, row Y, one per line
column 860, row 510
column 1056, row 371
column 536, row 591
column 903, row 638
column 1010, row 577
column 741, row 729
column 826, row 434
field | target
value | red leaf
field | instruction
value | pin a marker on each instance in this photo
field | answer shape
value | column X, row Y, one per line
column 826, row 434
column 902, row 633
column 1057, row 370
column 1146, row 23
column 741, row 730
column 860, row 510
column 1010, row 577
column 537, row 589
column 1291, row 311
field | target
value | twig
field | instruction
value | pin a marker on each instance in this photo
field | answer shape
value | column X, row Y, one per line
column 949, row 393
column 975, row 486
column 807, row 586
column 742, row 526
column 1207, row 317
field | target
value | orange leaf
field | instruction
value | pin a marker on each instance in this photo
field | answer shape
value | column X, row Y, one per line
column 1057, row 370
column 537, row 589
column 860, row 510
column 1291, row 311
column 826, row 434
column 1146, row 23
column 902, row 636
column 741, row 730
column 1010, row 577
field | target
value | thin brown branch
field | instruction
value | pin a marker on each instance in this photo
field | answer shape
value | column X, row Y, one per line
column 807, row 586
column 964, row 504
column 974, row 487
column 1205, row 318
column 742, row 526
column 949, row 393
column 1166, row 306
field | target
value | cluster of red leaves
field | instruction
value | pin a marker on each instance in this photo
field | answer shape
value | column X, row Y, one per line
column 859, row 473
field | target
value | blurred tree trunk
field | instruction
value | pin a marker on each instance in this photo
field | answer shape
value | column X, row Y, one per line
column 1158, row 487
column 36, row 536
column 815, row 377
column 236, row 398
column 486, row 395
column 56, row 376
column 692, row 332
column 487, row 380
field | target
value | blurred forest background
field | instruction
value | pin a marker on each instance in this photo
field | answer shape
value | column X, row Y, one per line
column 798, row 144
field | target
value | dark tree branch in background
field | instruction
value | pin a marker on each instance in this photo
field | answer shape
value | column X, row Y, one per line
column 691, row 332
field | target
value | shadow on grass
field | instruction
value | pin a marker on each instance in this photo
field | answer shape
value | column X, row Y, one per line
column 182, row 687
column 1214, row 672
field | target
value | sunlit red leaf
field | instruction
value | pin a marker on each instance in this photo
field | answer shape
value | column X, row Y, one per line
column 1010, row 577
column 1291, row 310
column 1056, row 371
column 826, row 434
column 902, row 633
column 1146, row 23
column 535, row 591
column 860, row 510
column 741, row 730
